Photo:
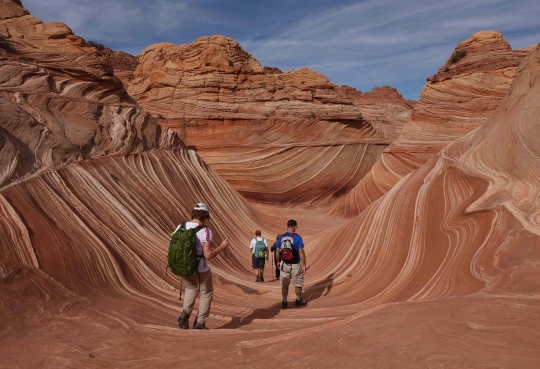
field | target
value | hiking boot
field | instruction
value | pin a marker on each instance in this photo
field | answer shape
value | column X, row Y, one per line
column 199, row 326
column 262, row 279
column 299, row 303
column 284, row 304
column 183, row 320
column 258, row 279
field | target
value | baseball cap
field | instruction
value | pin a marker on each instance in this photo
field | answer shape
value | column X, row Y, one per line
column 257, row 232
column 201, row 206
column 292, row 223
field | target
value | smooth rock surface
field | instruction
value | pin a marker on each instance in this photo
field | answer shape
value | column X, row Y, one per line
column 440, row 271
column 60, row 104
column 266, row 132
column 454, row 102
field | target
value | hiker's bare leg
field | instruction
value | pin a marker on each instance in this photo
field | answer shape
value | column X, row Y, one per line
column 298, row 291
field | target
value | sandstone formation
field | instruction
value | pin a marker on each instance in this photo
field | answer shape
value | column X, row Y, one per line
column 463, row 94
column 272, row 70
column 385, row 94
column 60, row 104
column 265, row 132
column 455, row 101
column 441, row 271
column 123, row 64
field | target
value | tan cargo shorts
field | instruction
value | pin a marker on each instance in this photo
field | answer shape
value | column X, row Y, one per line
column 291, row 273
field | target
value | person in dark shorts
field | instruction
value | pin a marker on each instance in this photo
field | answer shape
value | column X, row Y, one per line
column 259, row 253
column 275, row 250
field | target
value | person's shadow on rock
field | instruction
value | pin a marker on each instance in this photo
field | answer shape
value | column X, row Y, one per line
column 262, row 313
column 318, row 290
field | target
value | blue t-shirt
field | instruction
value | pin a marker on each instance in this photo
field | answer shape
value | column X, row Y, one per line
column 297, row 243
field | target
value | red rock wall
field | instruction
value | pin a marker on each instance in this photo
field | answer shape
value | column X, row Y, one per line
column 441, row 270
column 293, row 132
column 60, row 104
column 454, row 102
column 418, row 255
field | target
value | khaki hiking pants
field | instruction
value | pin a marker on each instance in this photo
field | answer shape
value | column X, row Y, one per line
column 291, row 273
column 193, row 286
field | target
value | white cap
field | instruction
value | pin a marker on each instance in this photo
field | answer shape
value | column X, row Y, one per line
column 201, row 206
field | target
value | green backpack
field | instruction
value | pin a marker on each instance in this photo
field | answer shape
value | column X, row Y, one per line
column 182, row 257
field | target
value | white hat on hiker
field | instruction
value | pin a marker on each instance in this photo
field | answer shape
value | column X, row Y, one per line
column 201, row 206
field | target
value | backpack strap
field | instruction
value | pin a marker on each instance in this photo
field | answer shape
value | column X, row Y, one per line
column 195, row 230
column 180, row 226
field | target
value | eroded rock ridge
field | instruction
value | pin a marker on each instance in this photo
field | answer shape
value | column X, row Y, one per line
column 440, row 270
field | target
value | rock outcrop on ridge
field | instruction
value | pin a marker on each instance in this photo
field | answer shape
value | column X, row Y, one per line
column 265, row 132
column 458, row 99
column 439, row 272
column 464, row 93
column 123, row 64
column 59, row 103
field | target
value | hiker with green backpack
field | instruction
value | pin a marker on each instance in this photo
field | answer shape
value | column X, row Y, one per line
column 259, row 250
column 190, row 248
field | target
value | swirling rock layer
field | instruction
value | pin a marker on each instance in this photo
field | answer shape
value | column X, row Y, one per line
column 256, row 127
column 59, row 104
column 458, row 99
column 440, row 271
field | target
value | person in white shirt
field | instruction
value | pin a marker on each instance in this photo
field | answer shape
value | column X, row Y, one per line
column 201, row 281
column 259, row 252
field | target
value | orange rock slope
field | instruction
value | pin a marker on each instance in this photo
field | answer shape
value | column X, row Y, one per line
column 439, row 272
column 265, row 132
column 59, row 104
column 458, row 99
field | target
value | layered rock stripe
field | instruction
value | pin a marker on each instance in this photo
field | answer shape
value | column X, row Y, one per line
column 439, row 270
column 454, row 102
column 265, row 133
column 60, row 104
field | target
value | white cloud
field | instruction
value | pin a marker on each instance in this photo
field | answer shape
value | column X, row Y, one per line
column 390, row 42
column 364, row 44
column 116, row 21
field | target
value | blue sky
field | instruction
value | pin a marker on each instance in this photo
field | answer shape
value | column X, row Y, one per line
column 359, row 43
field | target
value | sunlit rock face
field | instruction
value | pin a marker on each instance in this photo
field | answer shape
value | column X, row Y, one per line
column 123, row 64
column 441, row 271
column 382, row 104
column 464, row 93
column 442, row 268
column 458, row 99
column 59, row 103
column 276, row 137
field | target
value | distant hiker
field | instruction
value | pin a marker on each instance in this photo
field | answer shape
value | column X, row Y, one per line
column 275, row 250
column 191, row 246
column 292, row 261
column 259, row 252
